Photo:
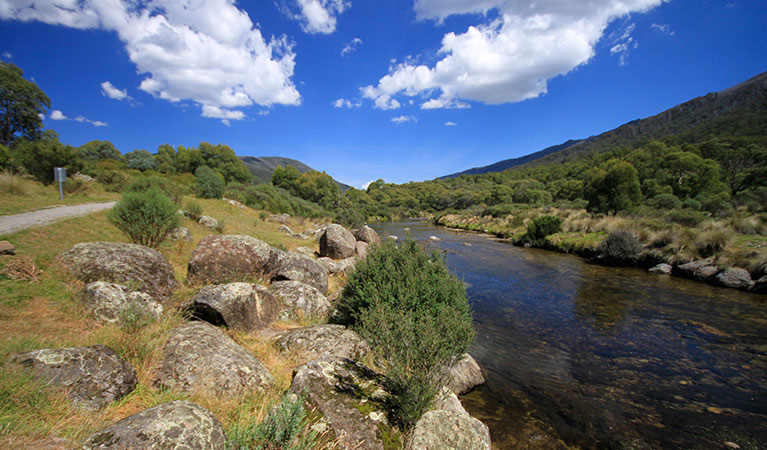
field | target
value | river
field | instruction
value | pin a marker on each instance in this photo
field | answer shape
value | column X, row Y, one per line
column 577, row 355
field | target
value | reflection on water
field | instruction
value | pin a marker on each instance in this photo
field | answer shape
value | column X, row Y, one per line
column 580, row 355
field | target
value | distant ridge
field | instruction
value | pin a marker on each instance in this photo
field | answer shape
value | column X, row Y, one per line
column 262, row 167
column 740, row 110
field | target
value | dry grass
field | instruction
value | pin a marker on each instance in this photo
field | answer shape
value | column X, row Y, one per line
column 12, row 184
column 21, row 193
column 21, row 268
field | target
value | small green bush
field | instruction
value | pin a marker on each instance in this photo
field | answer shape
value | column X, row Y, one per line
column 686, row 217
column 543, row 226
column 146, row 217
column 113, row 180
column 168, row 187
column 193, row 210
column 666, row 201
column 75, row 186
column 350, row 217
column 692, row 204
column 414, row 314
column 209, row 183
column 620, row 246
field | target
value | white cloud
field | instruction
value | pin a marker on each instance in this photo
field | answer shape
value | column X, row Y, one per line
column 318, row 16
column 351, row 46
column 95, row 123
column 109, row 90
column 450, row 124
column 663, row 28
column 208, row 52
column 7, row 55
column 623, row 43
column 344, row 103
column 403, row 119
column 226, row 115
column 57, row 115
column 364, row 187
column 508, row 57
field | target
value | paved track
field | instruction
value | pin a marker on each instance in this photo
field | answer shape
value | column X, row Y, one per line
column 17, row 222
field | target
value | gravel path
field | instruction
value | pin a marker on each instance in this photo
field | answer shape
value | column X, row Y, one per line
column 17, row 222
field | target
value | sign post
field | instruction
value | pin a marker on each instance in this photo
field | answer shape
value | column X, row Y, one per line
column 60, row 175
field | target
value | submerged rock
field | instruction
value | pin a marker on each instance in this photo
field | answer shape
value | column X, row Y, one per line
column 449, row 430
column 94, row 376
column 240, row 306
column 112, row 302
column 319, row 341
column 226, row 258
column 174, row 425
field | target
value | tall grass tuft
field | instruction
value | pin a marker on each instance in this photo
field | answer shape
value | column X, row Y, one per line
column 11, row 183
column 712, row 242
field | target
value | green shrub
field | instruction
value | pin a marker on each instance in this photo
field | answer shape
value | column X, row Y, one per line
column 414, row 314
column 75, row 186
column 686, row 217
column 168, row 187
column 209, row 183
column 666, row 201
column 543, row 226
column 350, row 217
column 193, row 210
column 284, row 428
column 620, row 246
column 501, row 210
column 692, row 204
column 716, row 203
column 146, row 217
column 113, row 180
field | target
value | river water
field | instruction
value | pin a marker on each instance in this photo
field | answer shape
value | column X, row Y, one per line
column 577, row 355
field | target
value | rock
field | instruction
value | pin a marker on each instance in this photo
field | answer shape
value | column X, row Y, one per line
column 200, row 357
column 391, row 237
column 240, row 306
column 434, row 239
column 180, row 234
column 449, row 430
column 174, row 425
column 111, row 302
column 6, row 248
column 367, row 235
column 361, row 249
column 234, row 203
column 341, row 390
column 664, row 269
column 94, row 376
column 465, row 374
column 735, row 277
column 329, row 264
column 448, row 401
column 319, row 341
column 285, row 229
column 82, row 177
column 208, row 222
column 346, row 266
column 279, row 218
column 302, row 268
column 133, row 265
column 300, row 300
column 702, row 270
column 760, row 286
column 306, row 251
column 337, row 242
column 225, row 258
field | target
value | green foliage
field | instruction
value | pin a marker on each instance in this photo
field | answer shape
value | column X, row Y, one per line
column 95, row 151
column 349, row 217
column 284, row 428
column 209, row 184
column 113, row 180
column 712, row 242
column 74, row 186
column 613, row 187
column 620, row 246
column 415, row 316
column 141, row 160
column 168, row 187
column 686, row 217
column 666, row 201
column 40, row 157
column 11, row 183
column 692, row 204
column 275, row 200
column 145, row 217
column 21, row 105
column 542, row 226
column 193, row 210
column 134, row 317
column 218, row 157
column 6, row 158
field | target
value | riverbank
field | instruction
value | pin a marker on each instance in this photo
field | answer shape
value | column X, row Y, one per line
column 730, row 252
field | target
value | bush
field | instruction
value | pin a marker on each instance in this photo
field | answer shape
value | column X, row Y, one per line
column 75, row 186
column 414, row 314
column 11, row 183
column 712, row 242
column 209, row 183
column 692, row 204
column 350, row 217
column 113, row 180
column 620, row 246
column 666, row 201
column 686, row 217
column 193, row 210
column 146, row 217
column 543, row 226
column 168, row 187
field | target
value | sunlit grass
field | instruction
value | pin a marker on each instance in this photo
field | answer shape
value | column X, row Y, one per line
column 21, row 193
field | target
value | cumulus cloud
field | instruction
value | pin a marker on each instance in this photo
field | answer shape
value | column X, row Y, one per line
column 450, row 124
column 344, row 103
column 317, row 16
column 508, row 57
column 57, row 115
column 109, row 90
column 403, row 119
column 208, row 52
column 351, row 46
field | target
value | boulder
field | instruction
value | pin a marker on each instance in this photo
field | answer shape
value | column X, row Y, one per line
column 449, row 430
column 361, row 249
column 735, row 277
column 301, row 268
column 760, row 286
column 392, row 237
column 175, row 425
column 278, row 218
column 82, row 177
column 133, row 265
column 329, row 264
column 434, row 239
column 319, row 341
column 112, row 302
column 346, row 266
column 337, row 242
column 6, row 248
column 300, row 300
column 94, row 376
column 285, row 230
column 367, row 235
column 702, row 270
column 448, row 401
column 180, row 234
column 349, row 396
column 208, row 222
column 199, row 357
column 240, row 306
column 306, row 251
column 464, row 375
column 664, row 269
column 234, row 203
column 226, row 258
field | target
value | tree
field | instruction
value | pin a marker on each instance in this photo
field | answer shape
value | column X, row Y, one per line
column 21, row 104
column 209, row 183
column 95, row 151
column 40, row 157
column 286, row 178
column 141, row 160
column 612, row 187
column 166, row 159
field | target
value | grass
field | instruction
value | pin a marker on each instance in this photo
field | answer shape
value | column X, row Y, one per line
column 21, row 194
column 47, row 314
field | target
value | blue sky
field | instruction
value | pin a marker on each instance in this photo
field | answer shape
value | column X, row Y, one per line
column 367, row 89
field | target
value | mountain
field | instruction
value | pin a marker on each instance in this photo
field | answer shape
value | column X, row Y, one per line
column 263, row 167
column 740, row 110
